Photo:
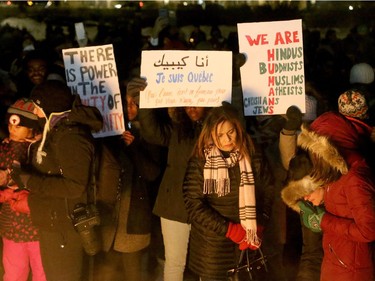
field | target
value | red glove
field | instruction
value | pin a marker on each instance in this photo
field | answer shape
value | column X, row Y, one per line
column 243, row 246
column 236, row 233
column 19, row 202
column 6, row 195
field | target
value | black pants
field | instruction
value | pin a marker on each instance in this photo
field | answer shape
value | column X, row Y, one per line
column 114, row 266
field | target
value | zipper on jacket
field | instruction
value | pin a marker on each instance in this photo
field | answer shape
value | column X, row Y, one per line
column 337, row 257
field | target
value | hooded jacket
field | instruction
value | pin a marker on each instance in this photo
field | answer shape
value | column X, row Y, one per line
column 348, row 225
column 61, row 179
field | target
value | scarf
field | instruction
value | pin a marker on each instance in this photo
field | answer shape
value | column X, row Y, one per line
column 216, row 180
column 50, row 122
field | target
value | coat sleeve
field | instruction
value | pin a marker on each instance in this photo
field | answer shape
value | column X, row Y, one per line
column 154, row 130
column 146, row 158
column 287, row 147
column 199, row 211
column 74, row 155
column 360, row 227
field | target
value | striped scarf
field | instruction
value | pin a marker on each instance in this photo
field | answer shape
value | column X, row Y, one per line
column 216, row 180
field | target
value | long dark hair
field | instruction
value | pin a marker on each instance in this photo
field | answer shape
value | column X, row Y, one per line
column 187, row 129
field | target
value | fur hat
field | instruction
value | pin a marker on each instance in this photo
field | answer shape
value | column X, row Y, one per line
column 21, row 113
column 353, row 103
column 52, row 96
column 362, row 73
column 326, row 137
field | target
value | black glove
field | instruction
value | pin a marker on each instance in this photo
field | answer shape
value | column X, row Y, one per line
column 15, row 175
column 294, row 118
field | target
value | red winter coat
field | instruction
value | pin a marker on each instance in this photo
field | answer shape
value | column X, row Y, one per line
column 349, row 222
column 349, row 226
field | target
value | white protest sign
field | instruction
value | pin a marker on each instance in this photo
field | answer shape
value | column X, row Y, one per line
column 273, row 76
column 92, row 74
column 186, row 78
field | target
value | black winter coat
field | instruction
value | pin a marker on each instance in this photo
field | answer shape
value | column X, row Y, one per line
column 169, row 201
column 61, row 180
column 211, row 253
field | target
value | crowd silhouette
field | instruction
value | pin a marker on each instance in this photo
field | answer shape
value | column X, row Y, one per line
column 329, row 72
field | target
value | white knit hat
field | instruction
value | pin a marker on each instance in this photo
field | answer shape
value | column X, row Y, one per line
column 361, row 73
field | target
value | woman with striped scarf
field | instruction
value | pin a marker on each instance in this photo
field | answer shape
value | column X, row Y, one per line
column 226, row 189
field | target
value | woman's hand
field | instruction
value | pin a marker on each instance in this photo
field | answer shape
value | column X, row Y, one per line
column 128, row 137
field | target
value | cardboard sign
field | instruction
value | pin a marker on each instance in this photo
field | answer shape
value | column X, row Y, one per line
column 273, row 76
column 186, row 78
column 91, row 73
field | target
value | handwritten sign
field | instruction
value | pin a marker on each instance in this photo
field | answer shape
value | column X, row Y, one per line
column 186, row 78
column 91, row 73
column 273, row 76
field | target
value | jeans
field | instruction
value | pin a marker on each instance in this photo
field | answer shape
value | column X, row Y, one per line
column 176, row 240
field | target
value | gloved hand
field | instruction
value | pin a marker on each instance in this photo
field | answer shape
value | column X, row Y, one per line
column 6, row 195
column 311, row 216
column 294, row 118
column 18, row 175
column 236, row 233
column 19, row 202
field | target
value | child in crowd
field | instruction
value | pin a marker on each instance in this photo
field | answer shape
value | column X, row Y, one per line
column 20, row 238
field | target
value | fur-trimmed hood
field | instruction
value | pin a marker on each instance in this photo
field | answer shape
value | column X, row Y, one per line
column 331, row 137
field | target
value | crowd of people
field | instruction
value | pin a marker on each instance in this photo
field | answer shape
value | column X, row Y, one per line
column 187, row 189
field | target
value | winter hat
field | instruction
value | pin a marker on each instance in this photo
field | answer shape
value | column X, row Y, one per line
column 52, row 96
column 353, row 103
column 21, row 113
column 329, row 137
column 362, row 73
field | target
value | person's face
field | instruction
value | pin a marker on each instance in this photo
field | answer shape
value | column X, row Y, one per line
column 38, row 112
column 19, row 133
column 316, row 197
column 132, row 108
column 225, row 137
column 37, row 71
column 194, row 113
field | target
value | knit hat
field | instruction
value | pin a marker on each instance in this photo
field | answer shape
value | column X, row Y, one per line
column 353, row 103
column 21, row 113
column 362, row 73
column 52, row 96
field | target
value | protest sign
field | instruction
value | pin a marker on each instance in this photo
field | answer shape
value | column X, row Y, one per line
column 186, row 78
column 92, row 74
column 273, row 76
